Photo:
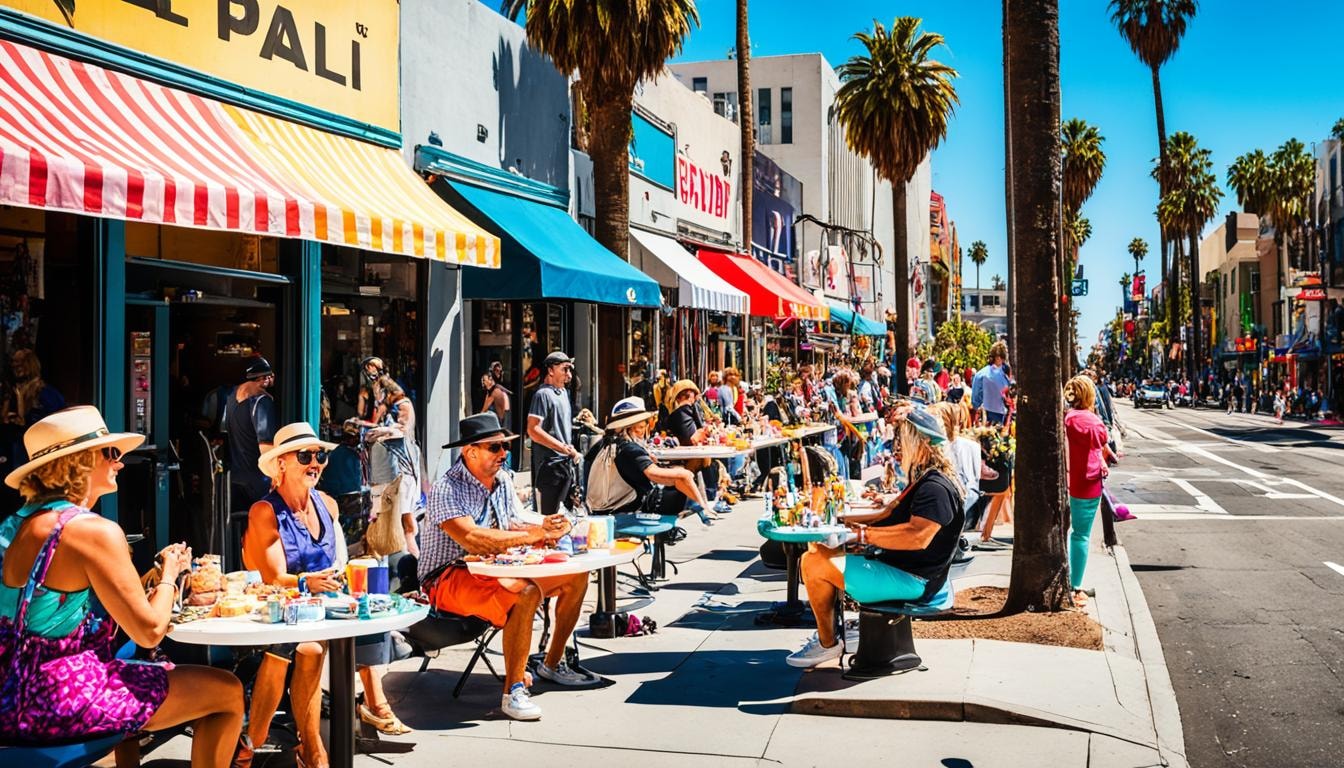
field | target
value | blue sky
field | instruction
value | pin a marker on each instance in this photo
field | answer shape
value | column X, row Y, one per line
column 1247, row 75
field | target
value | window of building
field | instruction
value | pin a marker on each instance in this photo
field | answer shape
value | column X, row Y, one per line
column 763, row 116
column 785, row 115
column 725, row 104
column 700, row 84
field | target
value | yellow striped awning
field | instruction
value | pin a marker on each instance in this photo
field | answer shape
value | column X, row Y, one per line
column 373, row 199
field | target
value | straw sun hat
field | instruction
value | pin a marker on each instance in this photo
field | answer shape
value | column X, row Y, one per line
column 288, row 439
column 629, row 412
column 68, row 431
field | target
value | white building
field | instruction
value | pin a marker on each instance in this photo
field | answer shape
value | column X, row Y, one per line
column 796, row 127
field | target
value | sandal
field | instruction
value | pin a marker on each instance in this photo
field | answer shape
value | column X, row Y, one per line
column 242, row 754
column 388, row 726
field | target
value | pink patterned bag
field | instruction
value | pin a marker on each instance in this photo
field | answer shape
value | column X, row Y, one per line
column 72, row 688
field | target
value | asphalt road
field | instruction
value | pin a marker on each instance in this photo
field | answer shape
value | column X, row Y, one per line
column 1239, row 547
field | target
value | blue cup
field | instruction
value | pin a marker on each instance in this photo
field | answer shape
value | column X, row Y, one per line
column 378, row 580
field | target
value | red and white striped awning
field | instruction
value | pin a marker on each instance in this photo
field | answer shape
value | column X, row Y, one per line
column 81, row 138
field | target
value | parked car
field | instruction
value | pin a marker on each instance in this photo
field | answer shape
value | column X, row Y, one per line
column 1150, row 396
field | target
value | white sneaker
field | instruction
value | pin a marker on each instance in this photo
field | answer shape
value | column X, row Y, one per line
column 563, row 674
column 851, row 633
column 517, row 703
column 812, row 654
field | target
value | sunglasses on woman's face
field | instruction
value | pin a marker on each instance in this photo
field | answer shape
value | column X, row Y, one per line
column 112, row 453
column 306, row 457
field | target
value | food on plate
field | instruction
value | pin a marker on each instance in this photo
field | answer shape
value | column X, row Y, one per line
column 555, row 557
column 206, row 584
column 235, row 605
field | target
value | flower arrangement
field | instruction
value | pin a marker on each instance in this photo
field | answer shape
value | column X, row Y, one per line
column 999, row 448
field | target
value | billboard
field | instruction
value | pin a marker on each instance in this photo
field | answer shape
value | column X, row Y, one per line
column 774, row 204
column 339, row 56
column 653, row 151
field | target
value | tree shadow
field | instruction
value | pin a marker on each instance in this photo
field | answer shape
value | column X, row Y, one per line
column 534, row 114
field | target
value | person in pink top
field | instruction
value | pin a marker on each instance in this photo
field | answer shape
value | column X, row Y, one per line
column 1086, row 438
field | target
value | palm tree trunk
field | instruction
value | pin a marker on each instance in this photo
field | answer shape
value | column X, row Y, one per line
column 746, row 121
column 1031, row 45
column 1196, row 352
column 609, row 146
column 977, row 280
column 900, row 228
column 1008, row 182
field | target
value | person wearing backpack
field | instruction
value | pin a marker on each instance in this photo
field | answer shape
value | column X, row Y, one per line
column 623, row 478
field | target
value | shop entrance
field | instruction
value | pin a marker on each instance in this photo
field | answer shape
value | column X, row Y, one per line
column 190, row 331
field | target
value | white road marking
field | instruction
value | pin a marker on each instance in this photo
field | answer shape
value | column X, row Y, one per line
column 1170, row 516
column 1261, row 447
column 1202, row 500
column 1336, row 567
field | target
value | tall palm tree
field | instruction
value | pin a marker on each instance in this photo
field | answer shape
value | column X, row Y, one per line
column 1153, row 29
column 612, row 45
column 746, row 121
column 1191, row 201
column 1249, row 177
column 979, row 255
column 1031, row 62
column 894, row 105
column 1084, row 160
column 1278, row 188
column 1338, row 130
column 1125, row 281
column 1138, row 248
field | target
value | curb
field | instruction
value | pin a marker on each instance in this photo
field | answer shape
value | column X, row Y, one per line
column 1161, row 695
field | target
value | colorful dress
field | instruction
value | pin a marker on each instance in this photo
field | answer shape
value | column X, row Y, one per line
column 61, row 683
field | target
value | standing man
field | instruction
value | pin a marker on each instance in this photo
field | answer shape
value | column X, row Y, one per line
column 250, row 421
column 550, row 423
column 473, row 510
column 988, row 385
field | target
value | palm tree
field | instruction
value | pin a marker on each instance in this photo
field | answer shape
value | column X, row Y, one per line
column 1191, row 202
column 1138, row 248
column 1153, row 29
column 894, row 106
column 612, row 46
column 979, row 255
column 1031, row 62
column 1276, row 187
column 1125, row 281
column 1084, row 162
column 1338, row 130
column 746, row 121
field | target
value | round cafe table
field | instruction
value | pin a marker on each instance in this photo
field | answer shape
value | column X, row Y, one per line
column 689, row 452
column 340, row 636
column 603, row 561
column 795, row 538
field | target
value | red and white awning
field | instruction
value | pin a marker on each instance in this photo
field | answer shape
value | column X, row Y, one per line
column 81, row 138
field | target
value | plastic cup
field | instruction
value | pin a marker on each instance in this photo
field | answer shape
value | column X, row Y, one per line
column 378, row 580
column 357, row 578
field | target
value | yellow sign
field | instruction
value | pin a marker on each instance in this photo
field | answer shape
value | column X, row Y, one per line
column 339, row 56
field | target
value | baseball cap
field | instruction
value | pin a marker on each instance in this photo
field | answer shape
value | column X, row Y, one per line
column 556, row 358
column 257, row 368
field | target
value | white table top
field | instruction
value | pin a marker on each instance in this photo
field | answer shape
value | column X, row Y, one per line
column 812, row 429
column 686, row 452
column 243, row 630
column 863, row 418
column 768, row 442
column 588, row 561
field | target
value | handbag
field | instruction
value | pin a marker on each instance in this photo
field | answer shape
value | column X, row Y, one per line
column 385, row 536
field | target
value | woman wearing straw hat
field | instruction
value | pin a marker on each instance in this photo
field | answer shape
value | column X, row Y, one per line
column 292, row 539
column 62, row 682
column 658, row 490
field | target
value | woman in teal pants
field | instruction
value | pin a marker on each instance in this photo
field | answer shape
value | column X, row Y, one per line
column 1085, row 434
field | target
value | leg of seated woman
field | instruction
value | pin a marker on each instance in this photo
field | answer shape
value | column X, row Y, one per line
column 210, row 699
column 267, row 689
column 823, row 580
column 305, row 691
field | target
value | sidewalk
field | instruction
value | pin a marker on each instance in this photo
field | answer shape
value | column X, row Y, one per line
column 712, row 688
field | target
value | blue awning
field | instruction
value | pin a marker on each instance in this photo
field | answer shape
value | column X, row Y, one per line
column 547, row 255
column 847, row 319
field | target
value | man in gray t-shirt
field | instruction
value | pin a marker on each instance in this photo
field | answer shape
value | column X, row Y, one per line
column 549, row 422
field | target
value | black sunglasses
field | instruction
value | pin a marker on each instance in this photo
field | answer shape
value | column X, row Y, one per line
column 497, row 447
column 306, row 457
column 112, row 453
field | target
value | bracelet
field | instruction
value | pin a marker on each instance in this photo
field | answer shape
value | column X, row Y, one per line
column 172, row 584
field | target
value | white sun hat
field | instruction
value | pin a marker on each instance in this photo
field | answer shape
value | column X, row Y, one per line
column 627, row 412
column 68, row 431
column 289, row 439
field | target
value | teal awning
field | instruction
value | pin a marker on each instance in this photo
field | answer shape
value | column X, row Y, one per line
column 546, row 255
column 846, row 319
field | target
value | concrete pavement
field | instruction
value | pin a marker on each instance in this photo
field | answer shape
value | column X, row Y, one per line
column 712, row 688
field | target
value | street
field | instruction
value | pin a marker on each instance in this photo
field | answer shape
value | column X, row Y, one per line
column 1239, row 548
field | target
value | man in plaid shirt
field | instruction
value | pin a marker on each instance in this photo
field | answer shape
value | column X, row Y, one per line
column 473, row 510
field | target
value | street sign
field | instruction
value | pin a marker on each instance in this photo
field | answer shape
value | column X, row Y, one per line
column 1079, row 288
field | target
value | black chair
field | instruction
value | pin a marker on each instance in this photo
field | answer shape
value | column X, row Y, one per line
column 441, row 630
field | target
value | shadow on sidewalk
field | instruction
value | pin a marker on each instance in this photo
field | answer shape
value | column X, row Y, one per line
column 714, row 679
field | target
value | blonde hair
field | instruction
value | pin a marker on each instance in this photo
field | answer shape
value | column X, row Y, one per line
column 925, row 457
column 1080, row 393
column 952, row 415
column 66, row 477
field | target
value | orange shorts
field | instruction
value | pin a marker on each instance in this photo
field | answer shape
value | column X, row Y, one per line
column 460, row 591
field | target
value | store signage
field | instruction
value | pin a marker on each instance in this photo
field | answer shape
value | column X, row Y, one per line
column 339, row 56
column 1311, row 294
column 651, row 151
column 1137, row 287
column 1244, row 344
column 1079, row 288
column 707, row 190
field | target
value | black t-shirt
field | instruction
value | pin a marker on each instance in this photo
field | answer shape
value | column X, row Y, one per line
column 632, row 459
column 683, row 422
column 934, row 498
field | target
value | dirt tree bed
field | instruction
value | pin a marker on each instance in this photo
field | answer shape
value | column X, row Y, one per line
column 1071, row 629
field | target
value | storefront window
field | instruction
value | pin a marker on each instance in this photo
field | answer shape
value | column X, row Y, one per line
column 230, row 250
column 370, row 308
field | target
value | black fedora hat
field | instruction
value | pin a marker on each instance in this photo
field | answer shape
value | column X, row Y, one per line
column 481, row 428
